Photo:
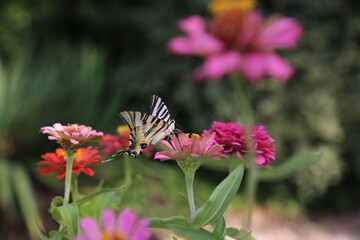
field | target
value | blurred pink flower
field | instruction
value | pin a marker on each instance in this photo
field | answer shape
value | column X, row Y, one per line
column 240, row 42
column 126, row 226
column 182, row 147
column 72, row 134
column 233, row 139
column 56, row 162
column 114, row 143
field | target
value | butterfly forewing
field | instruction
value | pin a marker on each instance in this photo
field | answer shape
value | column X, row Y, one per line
column 159, row 109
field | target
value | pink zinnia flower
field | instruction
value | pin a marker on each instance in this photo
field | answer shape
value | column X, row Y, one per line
column 56, row 162
column 233, row 138
column 238, row 42
column 72, row 135
column 127, row 226
column 182, row 147
column 114, row 143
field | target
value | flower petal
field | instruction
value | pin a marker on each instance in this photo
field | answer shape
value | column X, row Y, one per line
column 215, row 67
column 108, row 220
column 141, row 232
column 278, row 68
column 281, row 33
column 90, row 229
column 126, row 221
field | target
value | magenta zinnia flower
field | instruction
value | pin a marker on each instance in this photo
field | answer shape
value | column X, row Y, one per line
column 237, row 41
column 182, row 147
column 233, row 138
column 127, row 226
column 72, row 135
column 56, row 162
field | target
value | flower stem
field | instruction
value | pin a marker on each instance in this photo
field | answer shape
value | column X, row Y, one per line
column 68, row 174
column 189, row 181
column 127, row 170
column 74, row 187
column 246, row 117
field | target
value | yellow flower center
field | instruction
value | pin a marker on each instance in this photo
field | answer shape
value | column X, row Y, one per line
column 219, row 6
column 123, row 130
column 192, row 134
column 116, row 235
column 227, row 25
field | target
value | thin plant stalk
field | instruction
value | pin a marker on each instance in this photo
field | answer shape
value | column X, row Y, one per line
column 189, row 181
column 74, row 187
column 246, row 118
column 68, row 175
column 127, row 170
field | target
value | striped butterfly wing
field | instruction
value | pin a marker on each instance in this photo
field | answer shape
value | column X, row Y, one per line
column 159, row 109
column 145, row 129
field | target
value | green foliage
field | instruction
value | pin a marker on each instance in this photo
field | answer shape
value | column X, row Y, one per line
column 220, row 199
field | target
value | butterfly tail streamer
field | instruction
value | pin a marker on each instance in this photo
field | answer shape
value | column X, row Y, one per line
column 114, row 156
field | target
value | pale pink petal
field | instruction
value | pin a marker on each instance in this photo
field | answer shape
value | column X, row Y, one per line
column 254, row 66
column 90, row 228
column 80, row 238
column 215, row 67
column 278, row 68
column 198, row 41
column 280, row 33
column 108, row 220
column 162, row 156
column 175, row 142
column 192, row 25
column 126, row 221
column 141, row 232
column 73, row 141
column 260, row 160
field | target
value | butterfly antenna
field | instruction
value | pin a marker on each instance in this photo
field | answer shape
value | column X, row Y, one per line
column 176, row 113
column 114, row 156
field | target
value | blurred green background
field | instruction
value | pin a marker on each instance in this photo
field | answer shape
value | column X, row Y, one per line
column 85, row 61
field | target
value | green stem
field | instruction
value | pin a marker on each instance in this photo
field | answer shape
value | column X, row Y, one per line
column 68, row 174
column 74, row 187
column 127, row 170
column 189, row 181
column 246, row 117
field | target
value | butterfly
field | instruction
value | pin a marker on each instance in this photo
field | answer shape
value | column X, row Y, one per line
column 147, row 128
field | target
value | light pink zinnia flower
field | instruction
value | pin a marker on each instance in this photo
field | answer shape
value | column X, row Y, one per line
column 182, row 147
column 126, row 226
column 233, row 138
column 238, row 42
column 72, row 134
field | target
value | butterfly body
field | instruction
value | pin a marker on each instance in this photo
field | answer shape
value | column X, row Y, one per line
column 147, row 128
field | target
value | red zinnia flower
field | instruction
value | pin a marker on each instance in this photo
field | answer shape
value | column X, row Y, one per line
column 233, row 138
column 56, row 162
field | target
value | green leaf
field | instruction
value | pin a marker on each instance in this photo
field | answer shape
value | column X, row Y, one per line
column 239, row 234
column 220, row 229
column 220, row 198
column 42, row 235
column 289, row 167
column 70, row 216
column 168, row 222
column 25, row 194
column 55, row 203
column 193, row 234
column 94, row 195
column 55, row 235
